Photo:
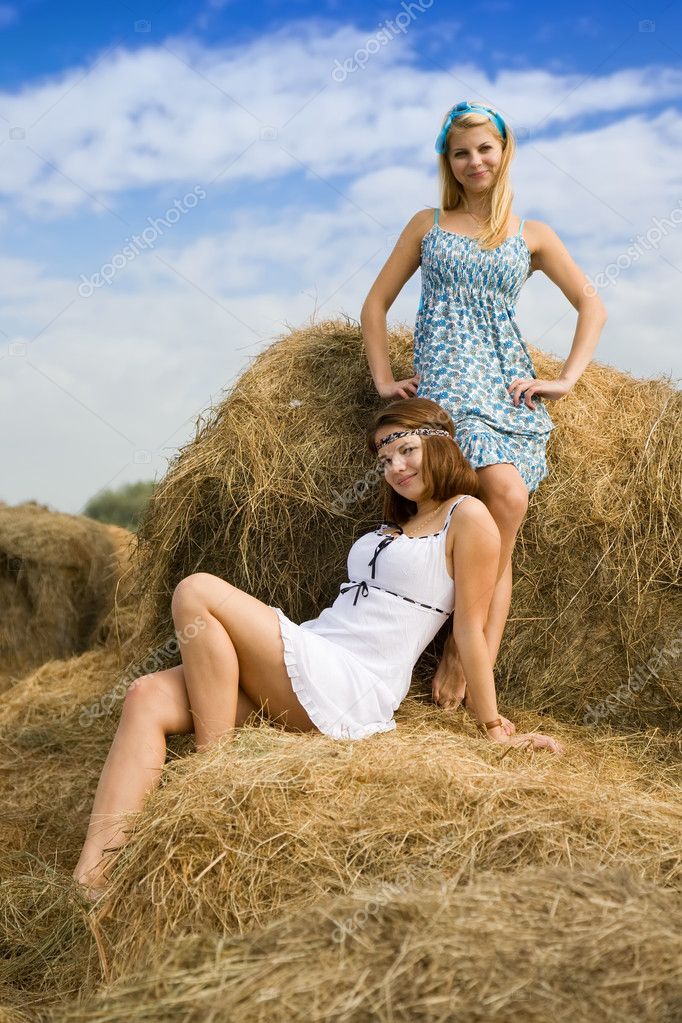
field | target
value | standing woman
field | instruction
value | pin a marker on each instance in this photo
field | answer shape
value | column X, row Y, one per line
column 469, row 356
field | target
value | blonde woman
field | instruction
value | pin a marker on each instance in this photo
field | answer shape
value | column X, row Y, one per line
column 475, row 255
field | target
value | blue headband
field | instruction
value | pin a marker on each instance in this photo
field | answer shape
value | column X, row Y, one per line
column 464, row 108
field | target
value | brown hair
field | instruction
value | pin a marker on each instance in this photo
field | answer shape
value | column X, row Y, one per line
column 501, row 194
column 445, row 470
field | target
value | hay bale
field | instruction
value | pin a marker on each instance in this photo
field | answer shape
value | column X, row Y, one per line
column 43, row 931
column 544, row 943
column 58, row 579
column 246, row 832
column 266, row 495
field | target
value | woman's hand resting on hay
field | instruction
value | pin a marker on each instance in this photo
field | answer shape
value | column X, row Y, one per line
column 531, row 740
column 529, row 387
column 399, row 388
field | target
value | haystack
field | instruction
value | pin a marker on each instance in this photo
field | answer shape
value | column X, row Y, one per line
column 252, row 831
column 528, row 885
column 545, row 943
column 276, row 485
column 242, row 835
column 59, row 576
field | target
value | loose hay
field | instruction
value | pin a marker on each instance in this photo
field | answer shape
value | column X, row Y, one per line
column 258, row 847
column 543, row 943
column 264, row 496
column 58, row 579
column 252, row 832
column 263, row 827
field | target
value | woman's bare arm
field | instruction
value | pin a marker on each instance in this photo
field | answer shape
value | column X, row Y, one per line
column 475, row 560
column 394, row 275
column 551, row 256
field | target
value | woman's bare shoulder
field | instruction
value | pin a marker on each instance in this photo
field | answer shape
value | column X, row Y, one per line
column 473, row 538
column 421, row 222
column 471, row 513
column 536, row 233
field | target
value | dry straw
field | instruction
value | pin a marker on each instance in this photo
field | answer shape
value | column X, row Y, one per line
column 543, row 943
column 264, row 497
column 58, row 578
column 263, row 826
column 528, row 885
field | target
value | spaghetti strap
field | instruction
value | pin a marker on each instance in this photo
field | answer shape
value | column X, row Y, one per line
column 521, row 227
column 452, row 508
column 435, row 218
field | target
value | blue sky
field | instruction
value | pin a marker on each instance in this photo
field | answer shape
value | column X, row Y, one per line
column 41, row 38
column 113, row 115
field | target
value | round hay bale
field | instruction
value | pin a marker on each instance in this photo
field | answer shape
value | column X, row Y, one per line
column 276, row 485
column 58, row 579
column 543, row 943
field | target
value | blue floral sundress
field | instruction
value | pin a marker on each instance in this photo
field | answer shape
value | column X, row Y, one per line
column 468, row 349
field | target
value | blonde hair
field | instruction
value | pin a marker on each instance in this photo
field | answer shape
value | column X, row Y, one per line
column 501, row 194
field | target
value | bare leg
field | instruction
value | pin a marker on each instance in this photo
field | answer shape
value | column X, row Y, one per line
column 233, row 664
column 239, row 644
column 506, row 496
column 155, row 706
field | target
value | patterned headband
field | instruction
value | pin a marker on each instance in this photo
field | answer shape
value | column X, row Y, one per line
column 465, row 108
column 423, row 431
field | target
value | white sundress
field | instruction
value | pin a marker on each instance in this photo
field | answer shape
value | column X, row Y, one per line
column 351, row 667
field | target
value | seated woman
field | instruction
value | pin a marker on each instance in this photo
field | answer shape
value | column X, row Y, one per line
column 345, row 672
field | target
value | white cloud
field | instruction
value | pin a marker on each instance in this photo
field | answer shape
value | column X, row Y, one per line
column 296, row 225
column 181, row 113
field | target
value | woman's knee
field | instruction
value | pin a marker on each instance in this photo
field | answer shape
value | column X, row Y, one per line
column 507, row 500
column 140, row 696
column 193, row 591
column 159, row 698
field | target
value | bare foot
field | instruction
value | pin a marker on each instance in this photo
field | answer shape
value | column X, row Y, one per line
column 448, row 685
column 92, row 882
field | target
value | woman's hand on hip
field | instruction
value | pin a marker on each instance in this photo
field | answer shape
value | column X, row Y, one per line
column 399, row 388
column 530, row 386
